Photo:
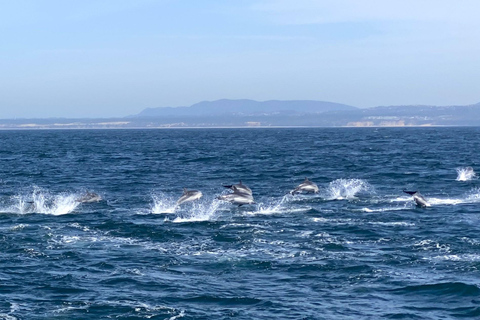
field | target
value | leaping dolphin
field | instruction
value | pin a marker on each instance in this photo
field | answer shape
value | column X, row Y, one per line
column 307, row 186
column 88, row 197
column 189, row 195
column 418, row 198
column 240, row 187
column 237, row 197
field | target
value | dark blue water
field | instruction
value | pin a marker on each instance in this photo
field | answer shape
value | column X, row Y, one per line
column 359, row 249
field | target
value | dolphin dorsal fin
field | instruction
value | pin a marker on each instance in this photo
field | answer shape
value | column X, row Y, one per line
column 185, row 190
column 240, row 182
column 306, row 179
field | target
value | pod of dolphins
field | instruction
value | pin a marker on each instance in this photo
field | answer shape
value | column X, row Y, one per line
column 242, row 194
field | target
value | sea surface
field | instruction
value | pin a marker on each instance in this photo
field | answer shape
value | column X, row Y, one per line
column 358, row 249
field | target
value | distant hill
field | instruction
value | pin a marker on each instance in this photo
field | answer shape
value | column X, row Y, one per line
column 246, row 108
column 273, row 113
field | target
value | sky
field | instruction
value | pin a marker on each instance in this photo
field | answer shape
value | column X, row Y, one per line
column 113, row 58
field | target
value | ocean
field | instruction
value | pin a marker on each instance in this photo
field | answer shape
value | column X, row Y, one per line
column 358, row 249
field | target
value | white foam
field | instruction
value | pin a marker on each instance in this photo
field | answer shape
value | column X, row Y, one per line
column 465, row 174
column 448, row 201
column 368, row 210
column 180, row 315
column 393, row 224
column 429, row 245
column 19, row 227
column 457, row 257
column 474, row 196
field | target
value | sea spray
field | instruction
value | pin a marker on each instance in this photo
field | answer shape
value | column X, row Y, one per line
column 347, row 189
column 163, row 204
column 465, row 174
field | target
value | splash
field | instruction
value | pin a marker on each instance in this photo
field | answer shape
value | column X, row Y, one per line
column 163, row 204
column 198, row 212
column 465, row 174
column 347, row 188
column 41, row 201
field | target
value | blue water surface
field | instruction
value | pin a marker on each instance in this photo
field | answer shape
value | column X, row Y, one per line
column 358, row 249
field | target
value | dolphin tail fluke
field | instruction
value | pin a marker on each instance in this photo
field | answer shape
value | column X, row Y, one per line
column 410, row 192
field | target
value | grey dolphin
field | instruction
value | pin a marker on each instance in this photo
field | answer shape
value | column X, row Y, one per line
column 307, row 186
column 237, row 197
column 240, row 187
column 88, row 197
column 418, row 198
column 189, row 195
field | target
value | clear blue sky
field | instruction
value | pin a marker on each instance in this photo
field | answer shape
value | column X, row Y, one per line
column 101, row 58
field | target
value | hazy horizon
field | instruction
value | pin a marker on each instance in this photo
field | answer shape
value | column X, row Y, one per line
column 114, row 58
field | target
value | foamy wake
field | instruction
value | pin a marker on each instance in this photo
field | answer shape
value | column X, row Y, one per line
column 41, row 201
column 465, row 174
column 281, row 206
column 347, row 189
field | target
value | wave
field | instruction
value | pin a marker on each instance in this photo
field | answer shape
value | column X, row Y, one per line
column 459, row 289
column 465, row 174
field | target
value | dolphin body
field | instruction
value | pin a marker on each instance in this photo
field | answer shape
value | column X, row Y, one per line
column 306, row 186
column 418, row 198
column 237, row 197
column 240, row 187
column 88, row 197
column 189, row 195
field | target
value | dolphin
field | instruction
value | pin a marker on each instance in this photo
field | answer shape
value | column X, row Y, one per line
column 240, row 187
column 189, row 195
column 237, row 197
column 418, row 198
column 88, row 197
column 307, row 186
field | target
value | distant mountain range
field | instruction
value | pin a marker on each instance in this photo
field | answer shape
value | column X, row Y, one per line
column 245, row 107
column 273, row 113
